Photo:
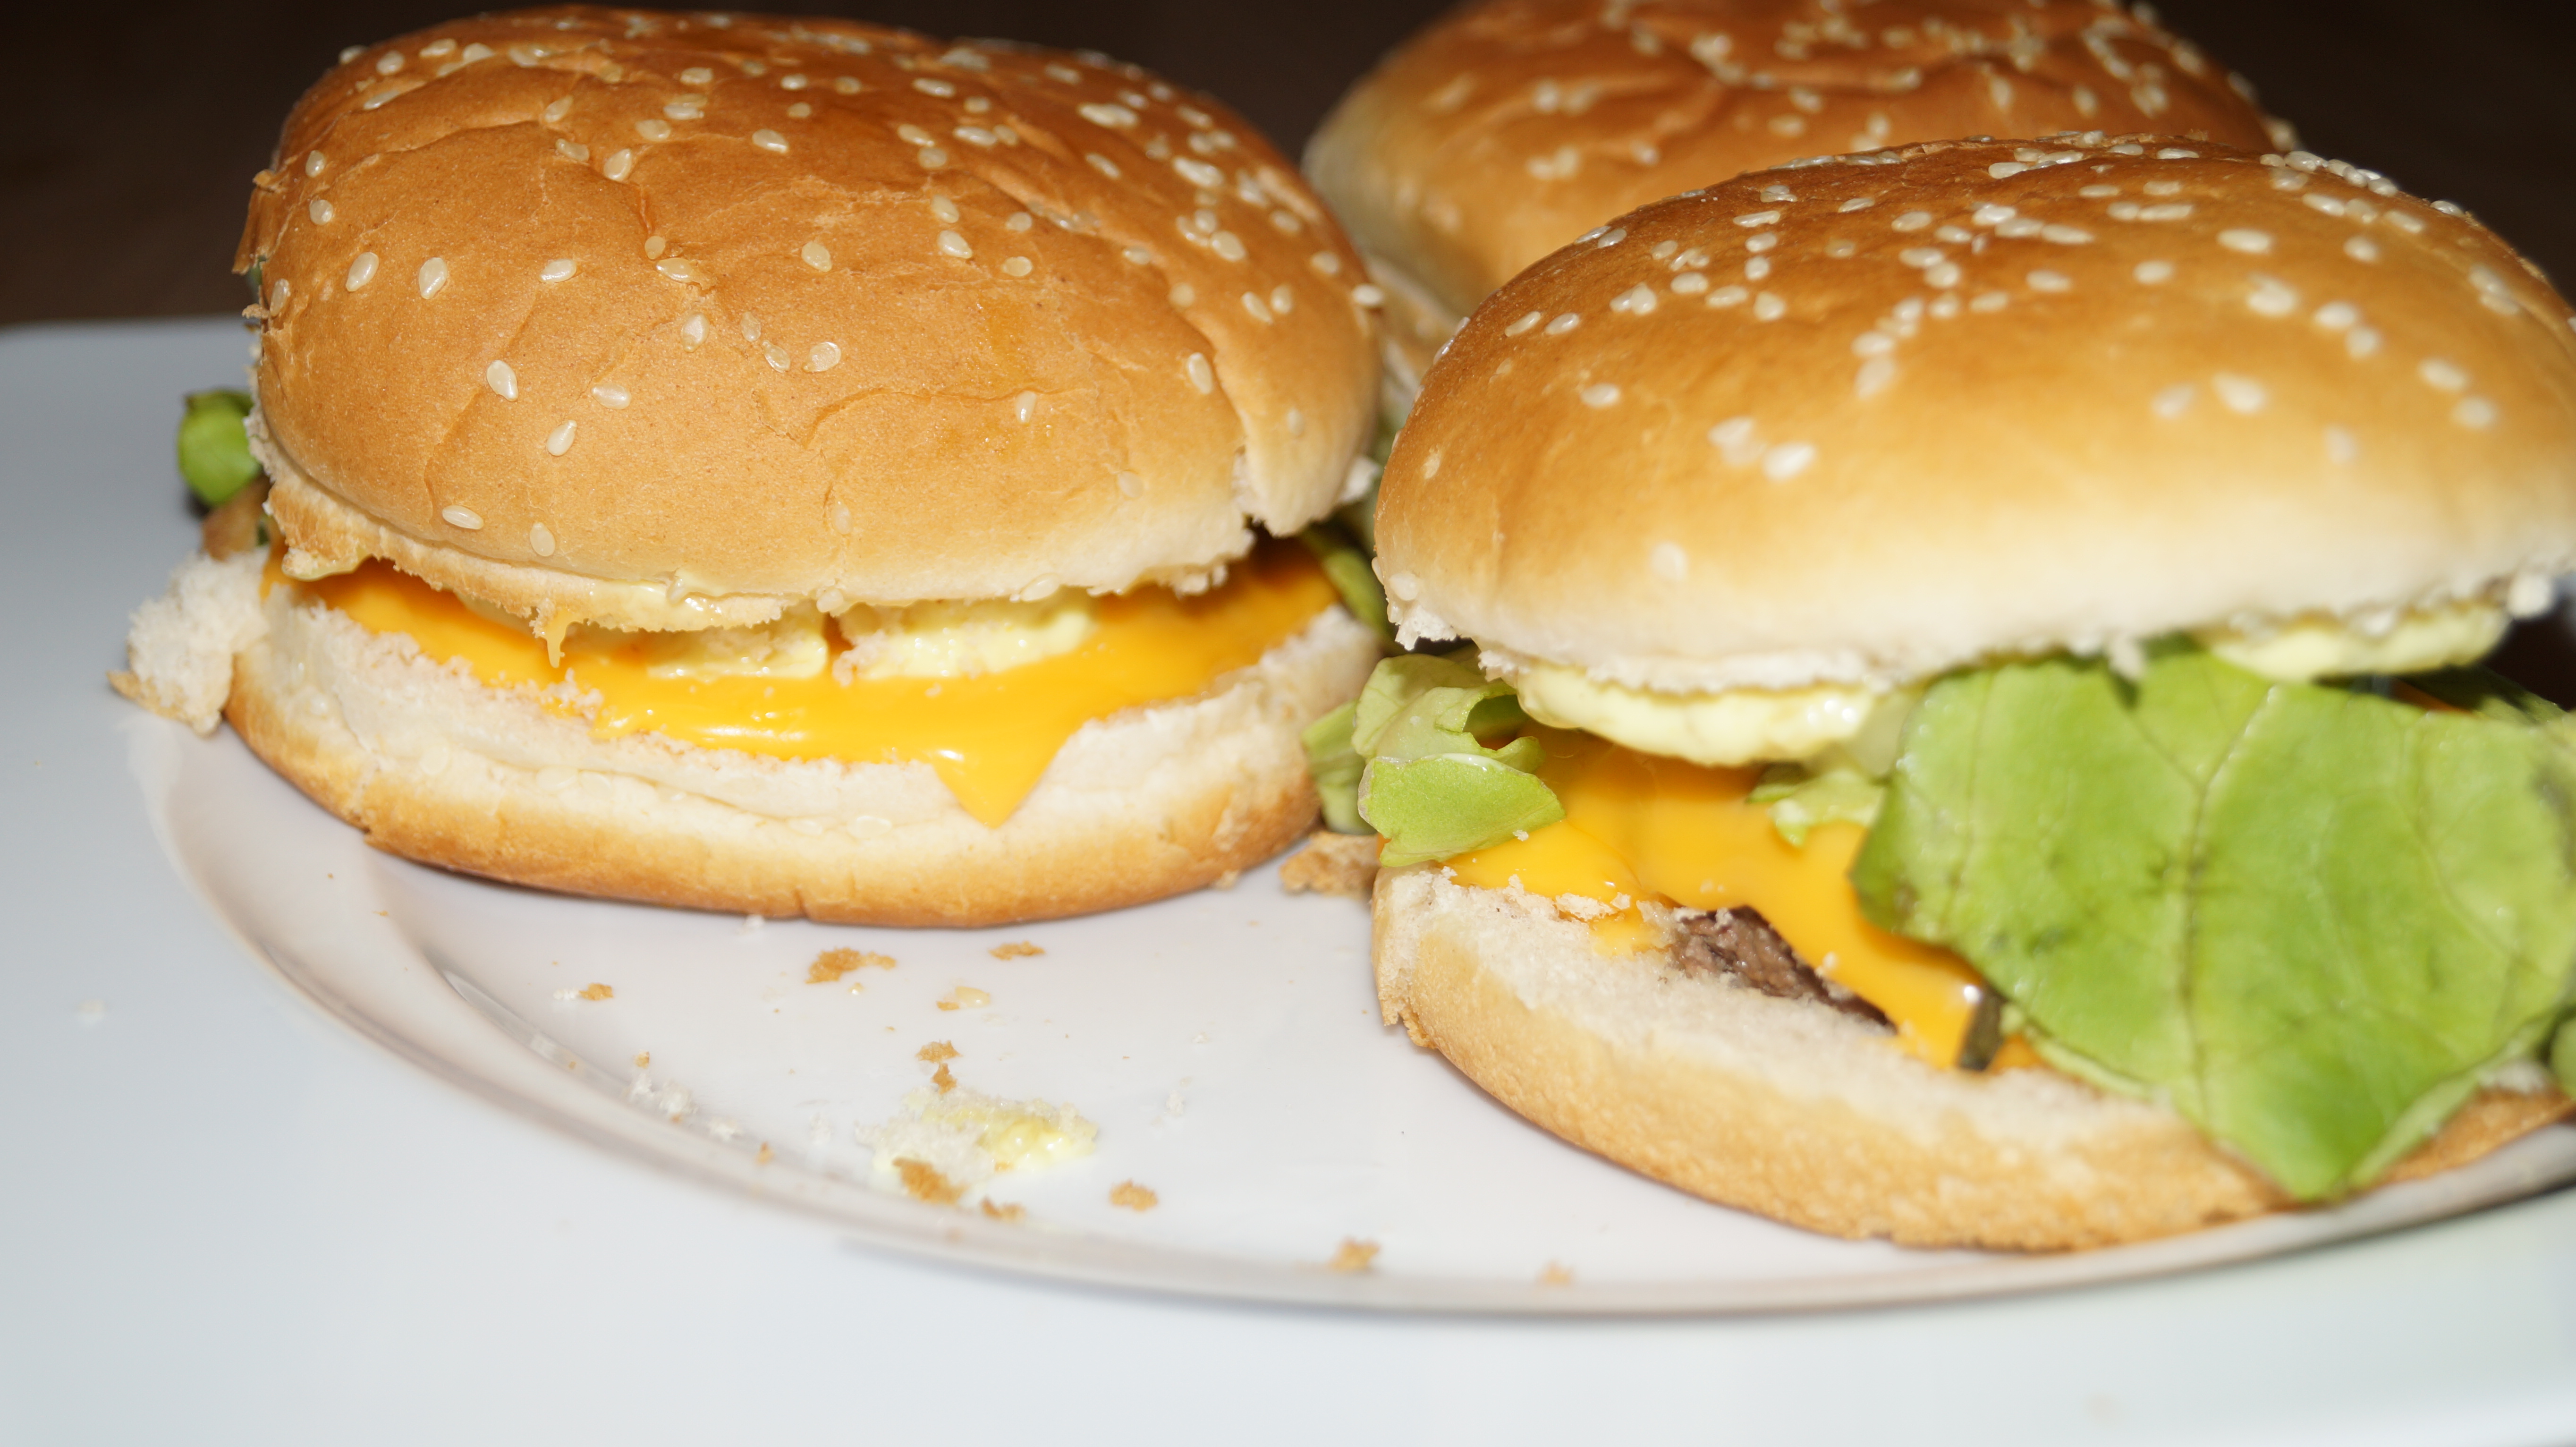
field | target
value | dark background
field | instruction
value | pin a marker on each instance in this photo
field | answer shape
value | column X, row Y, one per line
column 127, row 153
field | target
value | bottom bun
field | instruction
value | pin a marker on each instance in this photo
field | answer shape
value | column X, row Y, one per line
column 437, row 767
column 1805, row 1114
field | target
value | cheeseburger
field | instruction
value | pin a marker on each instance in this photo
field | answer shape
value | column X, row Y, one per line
column 788, row 466
column 1507, row 128
column 1969, row 734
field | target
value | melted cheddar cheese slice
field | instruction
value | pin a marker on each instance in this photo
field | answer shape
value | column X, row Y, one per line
column 1641, row 827
column 989, row 736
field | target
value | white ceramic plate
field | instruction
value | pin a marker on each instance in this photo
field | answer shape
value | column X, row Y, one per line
column 1226, row 1044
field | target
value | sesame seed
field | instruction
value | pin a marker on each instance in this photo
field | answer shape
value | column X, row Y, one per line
column 697, row 75
column 793, row 81
column 1565, row 322
column 433, row 275
column 1227, row 245
column 1749, row 219
column 2341, row 447
column 2361, row 248
column 846, row 85
column 1912, row 221
column 2272, row 298
column 800, row 110
column 1599, row 394
column 2049, row 281
column 2242, row 239
column 816, row 255
column 693, row 330
column 2475, row 413
column 1638, row 300
column 617, row 165
column 2360, row 342
column 557, row 109
column 1787, row 460
column 1991, row 215
column 2098, row 192
column 2407, row 221
column 362, row 270
column 474, row 52
column 678, row 268
column 389, row 62
column 1873, row 344
column 1762, row 242
column 541, row 540
column 952, row 244
column 320, row 210
column 976, row 136
column 2065, row 235
column 1253, row 304
column 687, row 108
column 1130, row 485
column 1690, row 283
column 1015, row 266
column 1726, row 296
column 1758, row 268
column 1993, row 301
column 559, row 441
column 914, row 135
column 2124, row 211
column 928, row 86
column 823, row 357
column 1283, row 299
column 2176, row 211
column 609, row 394
column 1102, row 164
column 2443, row 375
column 653, row 130
column 1919, row 257
column 1201, row 375
column 573, row 150
column 1875, row 376
column 769, row 140
column 750, row 324
column 2173, row 401
column 2241, row 395
column 2318, row 200
column 1669, row 562
column 1526, row 321
column 437, row 48
column 1024, row 406
column 1857, row 203
column 463, row 517
column 2005, row 170
column 776, row 356
column 2335, row 316
column 2154, row 273
column 931, row 158
column 1099, row 113
column 313, row 163
column 1768, row 307
column 1184, row 295
column 2175, row 153
column 502, row 380
column 654, row 246
column 559, row 269
column 1617, row 234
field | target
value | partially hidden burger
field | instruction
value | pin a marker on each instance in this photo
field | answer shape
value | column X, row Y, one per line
column 787, row 466
column 1969, row 738
column 1507, row 128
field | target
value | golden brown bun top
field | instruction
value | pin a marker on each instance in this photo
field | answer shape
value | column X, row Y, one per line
column 605, row 306
column 1507, row 128
column 1876, row 417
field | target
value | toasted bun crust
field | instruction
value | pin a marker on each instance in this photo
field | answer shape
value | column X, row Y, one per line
column 437, row 767
column 1935, row 407
column 1505, row 129
column 1800, row 1113
column 847, row 309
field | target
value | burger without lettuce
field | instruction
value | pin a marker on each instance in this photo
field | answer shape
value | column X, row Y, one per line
column 788, row 466
column 1507, row 128
column 1969, row 739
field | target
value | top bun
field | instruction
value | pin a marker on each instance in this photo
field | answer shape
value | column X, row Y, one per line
column 1871, row 418
column 1507, row 128
column 665, row 321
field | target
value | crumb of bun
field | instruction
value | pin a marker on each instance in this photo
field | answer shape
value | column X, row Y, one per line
column 833, row 964
column 1016, row 949
column 1330, row 863
column 1353, row 1257
column 1134, row 1197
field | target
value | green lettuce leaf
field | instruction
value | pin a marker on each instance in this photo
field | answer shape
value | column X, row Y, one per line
column 2309, row 918
column 1800, row 800
column 1336, row 767
column 1429, row 784
column 2562, row 1057
column 1348, row 566
column 214, row 451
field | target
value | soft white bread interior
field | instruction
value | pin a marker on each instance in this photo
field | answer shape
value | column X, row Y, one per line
column 1804, row 1114
column 1506, row 128
column 661, row 320
column 436, row 766
column 1870, row 419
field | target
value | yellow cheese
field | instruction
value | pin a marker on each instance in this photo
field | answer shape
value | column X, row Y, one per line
column 989, row 736
column 1640, row 827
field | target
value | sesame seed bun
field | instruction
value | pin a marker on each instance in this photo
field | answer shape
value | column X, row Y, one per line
column 1507, row 128
column 663, row 321
column 1795, row 1110
column 1872, row 418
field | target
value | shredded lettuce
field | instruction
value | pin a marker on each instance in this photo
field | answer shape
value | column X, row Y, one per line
column 1336, row 767
column 1801, row 799
column 1428, row 783
column 1347, row 565
column 214, row 451
column 2309, row 918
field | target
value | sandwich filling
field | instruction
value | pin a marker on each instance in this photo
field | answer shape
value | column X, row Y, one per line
column 985, row 694
column 2312, row 918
